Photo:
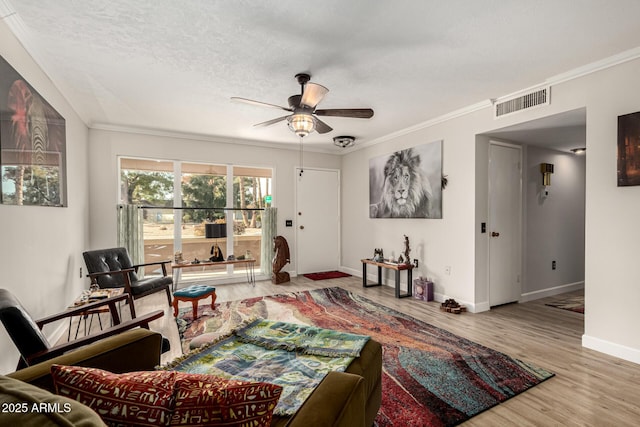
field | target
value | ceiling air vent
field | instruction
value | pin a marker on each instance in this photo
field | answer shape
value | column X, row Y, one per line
column 522, row 102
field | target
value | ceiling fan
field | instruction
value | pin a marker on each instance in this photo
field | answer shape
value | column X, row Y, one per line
column 302, row 119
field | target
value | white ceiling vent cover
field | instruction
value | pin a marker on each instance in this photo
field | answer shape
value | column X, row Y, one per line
column 531, row 99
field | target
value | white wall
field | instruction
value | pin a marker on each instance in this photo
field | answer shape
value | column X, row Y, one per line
column 612, row 288
column 41, row 247
column 554, row 227
column 611, row 214
column 436, row 243
column 105, row 146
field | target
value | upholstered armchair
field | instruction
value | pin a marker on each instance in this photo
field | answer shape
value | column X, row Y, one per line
column 112, row 268
column 26, row 333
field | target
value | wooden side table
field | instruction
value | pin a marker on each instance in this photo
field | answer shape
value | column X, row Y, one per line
column 105, row 295
column 391, row 266
column 194, row 293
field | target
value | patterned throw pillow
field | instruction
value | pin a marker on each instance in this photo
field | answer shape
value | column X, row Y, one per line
column 131, row 399
column 206, row 400
column 160, row 398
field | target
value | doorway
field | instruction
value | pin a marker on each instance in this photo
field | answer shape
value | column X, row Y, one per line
column 553, row 238
column 317, row 220
column 505, row 222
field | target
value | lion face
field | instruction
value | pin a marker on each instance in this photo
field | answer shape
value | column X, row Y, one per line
column 400, row 182
column 406, row 192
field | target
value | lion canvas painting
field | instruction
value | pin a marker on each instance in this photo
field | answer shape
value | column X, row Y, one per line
column 407, row 183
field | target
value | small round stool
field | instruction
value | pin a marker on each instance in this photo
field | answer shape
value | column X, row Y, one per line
column 193, row 293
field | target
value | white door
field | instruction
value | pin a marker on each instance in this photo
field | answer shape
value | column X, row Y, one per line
column 317, row 220
column 505, row 219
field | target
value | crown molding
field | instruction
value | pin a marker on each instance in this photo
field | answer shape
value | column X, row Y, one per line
column 611, row 61
column 593, row 67
column 6, row 10
column 429, row 123
column 205, row 138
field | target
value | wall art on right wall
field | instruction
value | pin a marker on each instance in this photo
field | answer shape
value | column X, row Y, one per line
column 407, row 183
column 629, row 149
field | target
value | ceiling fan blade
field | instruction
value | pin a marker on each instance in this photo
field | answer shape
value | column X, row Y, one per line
column 312, row 95
column 322, row 127
column 259, row 103
column 357, row 113
column 270, row 122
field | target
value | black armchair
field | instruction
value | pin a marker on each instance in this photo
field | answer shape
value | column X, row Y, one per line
column 34, row 347
column 112, row 268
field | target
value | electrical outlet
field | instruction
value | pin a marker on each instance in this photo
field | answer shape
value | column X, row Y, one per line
column 81, row 272
column 553, row 265
column 447, row 270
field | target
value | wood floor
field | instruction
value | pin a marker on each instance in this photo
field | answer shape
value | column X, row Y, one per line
column 589, row 389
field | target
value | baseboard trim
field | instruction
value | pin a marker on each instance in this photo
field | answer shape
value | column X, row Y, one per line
column 482, row 306
column 390, row 282
column 549, row 292
column 611, row 348
column 351, row 271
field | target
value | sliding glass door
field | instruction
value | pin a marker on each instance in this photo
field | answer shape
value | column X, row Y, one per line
column 178, row 199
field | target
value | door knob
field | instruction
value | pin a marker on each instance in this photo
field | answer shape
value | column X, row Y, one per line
column 302, row 227
column 494, row 234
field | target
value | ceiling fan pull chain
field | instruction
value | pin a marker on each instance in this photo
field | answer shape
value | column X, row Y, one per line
column 301, row 157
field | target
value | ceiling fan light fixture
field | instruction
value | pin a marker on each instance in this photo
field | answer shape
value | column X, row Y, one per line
column 302, row 124
column 344, row 141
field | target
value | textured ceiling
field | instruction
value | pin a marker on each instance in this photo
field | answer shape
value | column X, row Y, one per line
column 174, row 65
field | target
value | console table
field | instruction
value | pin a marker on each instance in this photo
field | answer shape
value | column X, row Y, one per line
column 391, row 266
column 176, row 269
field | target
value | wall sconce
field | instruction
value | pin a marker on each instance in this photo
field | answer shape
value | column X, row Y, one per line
column 547, row 170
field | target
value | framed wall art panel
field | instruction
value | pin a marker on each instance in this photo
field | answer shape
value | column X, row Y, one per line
column 32, row 144
column 629, row 149
column 407, row 183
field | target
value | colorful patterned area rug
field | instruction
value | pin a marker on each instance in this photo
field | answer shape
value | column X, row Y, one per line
column 430, row 377
column 575, row 303
column 326, row 275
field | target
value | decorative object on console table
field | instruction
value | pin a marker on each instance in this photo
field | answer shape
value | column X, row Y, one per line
column 280, row 259
column 378, row 255
column 216, row 231
column 423, row 289
column 407, row 250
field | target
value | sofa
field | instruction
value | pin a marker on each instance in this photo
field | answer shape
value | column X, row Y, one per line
column 345, row 399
